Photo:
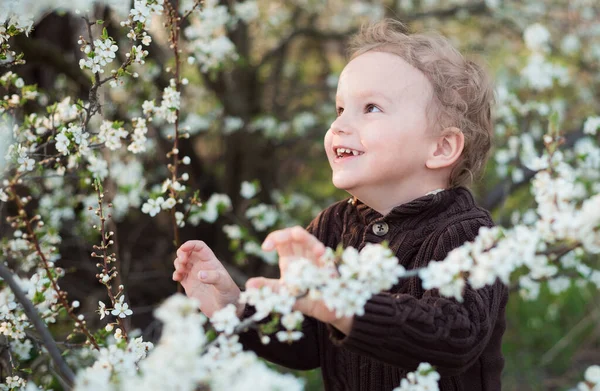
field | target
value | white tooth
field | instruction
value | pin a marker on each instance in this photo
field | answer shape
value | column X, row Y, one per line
column 355, row 153
column 347, row 150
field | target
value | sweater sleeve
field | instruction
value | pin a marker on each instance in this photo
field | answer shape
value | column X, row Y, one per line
column 403, row 330
column 304, row 353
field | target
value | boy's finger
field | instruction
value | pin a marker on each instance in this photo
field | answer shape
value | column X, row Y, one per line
column 271, row 240
column 309, row 244
column 193, row 246
column 259, row 282
column 213, row 277
column 280, row 240
column 179, row 264
column 178, row 276
column 184, row 265
column 183, row 255
column 276, row 238
column 318, row 250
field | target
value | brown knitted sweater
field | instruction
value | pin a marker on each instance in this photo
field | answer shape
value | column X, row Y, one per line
column 406, row 325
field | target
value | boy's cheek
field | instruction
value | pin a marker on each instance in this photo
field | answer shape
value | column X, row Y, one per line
column 327, row 141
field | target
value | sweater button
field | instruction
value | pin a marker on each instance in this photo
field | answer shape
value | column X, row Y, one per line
column 380, row 229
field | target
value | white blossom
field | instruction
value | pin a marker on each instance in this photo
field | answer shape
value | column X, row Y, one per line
column 225, row 320
column 98, row 166
column 21, row 348
column 592, row 374
column 111, row 134
column 591, row 125
column 3, row 196
column 216, row 204
column 248, row 189
column 25, row 162
column 103, row 54
column 102, row 310
column 169, row 203
column 179, row 219
column 121, row 308
column 292, row 320
column 425, row 378
column 232, row 231
column 288, row 335
column 232, row 124
column 62, row 143
column 247, row 10
column 537, row 37
column 138, row 137
column 262, row 216
column 169, row 105
column 153, row 206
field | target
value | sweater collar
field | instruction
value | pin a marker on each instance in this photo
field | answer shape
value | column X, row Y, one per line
column 431, row 204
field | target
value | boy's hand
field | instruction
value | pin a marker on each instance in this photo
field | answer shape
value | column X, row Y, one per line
column 313, row 308
column 293, row 243
column 204, row 278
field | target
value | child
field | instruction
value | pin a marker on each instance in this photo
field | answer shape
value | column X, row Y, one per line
column 413, row 127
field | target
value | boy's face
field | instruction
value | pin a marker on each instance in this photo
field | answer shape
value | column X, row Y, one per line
column 381, row 103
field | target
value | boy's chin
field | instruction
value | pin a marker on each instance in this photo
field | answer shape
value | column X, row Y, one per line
column 343, row 184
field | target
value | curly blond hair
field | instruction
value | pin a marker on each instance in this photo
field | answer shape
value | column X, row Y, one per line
column 463, row 92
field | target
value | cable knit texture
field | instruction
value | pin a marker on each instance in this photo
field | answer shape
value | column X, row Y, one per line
column 406, row 325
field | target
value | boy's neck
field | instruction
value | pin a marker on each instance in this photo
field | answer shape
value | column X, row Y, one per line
column 383, row 200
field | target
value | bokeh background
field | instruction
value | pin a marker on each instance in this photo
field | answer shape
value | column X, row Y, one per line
column 259, row 114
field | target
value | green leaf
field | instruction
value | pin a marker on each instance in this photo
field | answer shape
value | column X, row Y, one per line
column 98, row 184
column 272, row 326
column 211, row 335
column 38, row 298
column 104, row 33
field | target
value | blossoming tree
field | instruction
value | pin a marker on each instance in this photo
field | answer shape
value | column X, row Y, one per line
column 124, row 130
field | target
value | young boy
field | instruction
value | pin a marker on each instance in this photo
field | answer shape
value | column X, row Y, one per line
column 413, row 126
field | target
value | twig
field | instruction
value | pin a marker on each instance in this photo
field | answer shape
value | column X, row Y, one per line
column 174, row 26
column 39, row 325
column 94, row 106
column 196, row 4
column 566, row 340
column 107, row 259
column 61, row 295
column 496, row 196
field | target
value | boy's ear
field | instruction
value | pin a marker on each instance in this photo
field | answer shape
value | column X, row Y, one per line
column 447, row 148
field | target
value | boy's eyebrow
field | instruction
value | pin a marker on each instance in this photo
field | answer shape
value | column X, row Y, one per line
column 368, row 94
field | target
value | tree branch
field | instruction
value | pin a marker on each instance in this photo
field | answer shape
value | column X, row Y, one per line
column 39, row 325
column 305, row 32
column 502, row 190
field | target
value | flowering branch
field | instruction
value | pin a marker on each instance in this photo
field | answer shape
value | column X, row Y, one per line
column 63, row 369
column 94, row 106
column 196, row 5
column 108, row 273
column 61, row 295
column 174, row 30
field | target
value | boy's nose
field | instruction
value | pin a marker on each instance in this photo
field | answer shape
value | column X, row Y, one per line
column 340, row 126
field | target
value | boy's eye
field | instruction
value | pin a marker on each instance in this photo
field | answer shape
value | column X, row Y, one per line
column 370, row 108
column 339, row 111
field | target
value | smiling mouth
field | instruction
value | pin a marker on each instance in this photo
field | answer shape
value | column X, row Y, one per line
column 342, row 153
